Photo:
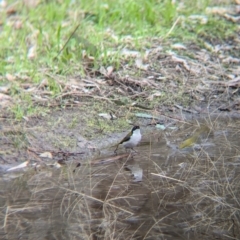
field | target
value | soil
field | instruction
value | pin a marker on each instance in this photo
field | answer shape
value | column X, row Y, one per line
column 191, row 83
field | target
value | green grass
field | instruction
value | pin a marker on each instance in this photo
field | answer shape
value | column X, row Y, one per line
column 103, row 27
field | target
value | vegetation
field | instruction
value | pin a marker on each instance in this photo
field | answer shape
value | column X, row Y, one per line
column 73, row 74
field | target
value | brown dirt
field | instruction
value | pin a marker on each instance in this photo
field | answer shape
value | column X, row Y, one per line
column 195, row 82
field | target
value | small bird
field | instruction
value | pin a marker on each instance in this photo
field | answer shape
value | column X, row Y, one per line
column 132, row 139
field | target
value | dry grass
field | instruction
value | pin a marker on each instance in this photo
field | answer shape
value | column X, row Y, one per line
column 190, row 194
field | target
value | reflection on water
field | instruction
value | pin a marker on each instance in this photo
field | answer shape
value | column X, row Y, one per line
column 192, row 193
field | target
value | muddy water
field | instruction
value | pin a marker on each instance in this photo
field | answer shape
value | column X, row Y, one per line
column 161, row 192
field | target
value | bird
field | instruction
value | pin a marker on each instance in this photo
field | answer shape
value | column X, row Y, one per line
column 131, row 140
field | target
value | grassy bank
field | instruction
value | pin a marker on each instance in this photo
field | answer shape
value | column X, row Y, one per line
column 47, row 44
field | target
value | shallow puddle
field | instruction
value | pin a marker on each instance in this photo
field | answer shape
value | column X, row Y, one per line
column 160, row 192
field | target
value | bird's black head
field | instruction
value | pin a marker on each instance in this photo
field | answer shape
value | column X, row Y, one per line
column 134, row 128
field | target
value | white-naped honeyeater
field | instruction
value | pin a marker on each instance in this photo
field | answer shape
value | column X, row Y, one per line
column 131, row 140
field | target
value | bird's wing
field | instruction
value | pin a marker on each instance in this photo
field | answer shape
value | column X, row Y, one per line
column 125, row 139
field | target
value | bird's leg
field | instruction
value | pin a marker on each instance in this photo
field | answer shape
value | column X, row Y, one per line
column 115, row 151
column 133, row 150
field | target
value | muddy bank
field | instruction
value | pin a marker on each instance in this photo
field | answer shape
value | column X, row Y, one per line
column 160, row 191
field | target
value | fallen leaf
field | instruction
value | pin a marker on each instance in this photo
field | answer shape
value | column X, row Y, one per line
column 5, row 100
column 161, row 126
column 22, row 165
column 140, row 106
column 10, row 77
column 18, row 24
column 57, row 165
column 233, row 83
column 26, row 118
column 127, row 39
column 43, row 84
column 139, row 64
column 145, row 115
column 129, row 53
column 232, row 18
column 217, row 10
column 11, row 9
column 46, row 155
column 209, row 46
column 110, row 70
column 32, row 52
column 231, row 60
column 103, row 71
column 199, row 18
column 106, row 71
column 152, row 96
column 4, row 89
column 163, row 176
column 182, row 61
column 183, row 165
column 179, row 46
column 107, row 116
column 31, row 3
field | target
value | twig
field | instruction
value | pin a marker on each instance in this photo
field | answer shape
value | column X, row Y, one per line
column 173, row 26
column 159, row 175
column 68, row 39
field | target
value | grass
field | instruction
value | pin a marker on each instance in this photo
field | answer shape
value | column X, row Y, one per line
column 58, row 47
column 102, row 27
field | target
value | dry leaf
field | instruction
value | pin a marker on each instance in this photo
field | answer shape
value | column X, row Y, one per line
column 31, row 3
column 43, row 84
column 5, row 100
column 182, row 61
column 17, row 24
column 127, row 39
column 178, row 46
column 22, row 165
column 10, row 77
column 11, row 10
column 106, row 71
column 156, row 94
column 233, row 83
column 31, row 52
column 103, row 71
column 4, row 97
column 199, row 18
column 129, row 53
column 139, row 64
column 57, row 165
column 209, row 46
column 231, row 60
column 4, row 89
column 107, row 116
column 110, row 70
column 217, row 10
column 46, row 155
column 230, row 76
column 232, row 18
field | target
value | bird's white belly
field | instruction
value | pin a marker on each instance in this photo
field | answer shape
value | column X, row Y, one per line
column 134, row 140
